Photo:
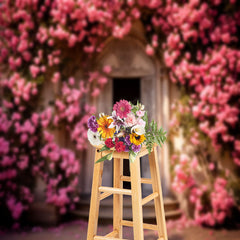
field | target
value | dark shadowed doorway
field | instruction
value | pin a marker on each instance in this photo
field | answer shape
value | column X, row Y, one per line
column 128, row 89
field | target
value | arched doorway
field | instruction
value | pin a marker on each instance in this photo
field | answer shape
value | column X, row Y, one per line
column 132, row 78
column 131, row 68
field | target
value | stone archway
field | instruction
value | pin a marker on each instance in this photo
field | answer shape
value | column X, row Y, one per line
column 128, row 59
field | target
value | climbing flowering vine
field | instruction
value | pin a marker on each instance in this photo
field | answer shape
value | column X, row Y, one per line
column 44, row 43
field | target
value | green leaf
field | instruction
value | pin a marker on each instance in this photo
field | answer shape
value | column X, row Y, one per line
column 39, row 80
column 132, row 156
column 104, row 148
column 109, row 156
column 106, row 157
column 150, row 146
column 152, row 124
column 158, row 140
column 145, row 118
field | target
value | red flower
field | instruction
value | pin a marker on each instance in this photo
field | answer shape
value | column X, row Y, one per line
column 109, row 143
column 120, row 147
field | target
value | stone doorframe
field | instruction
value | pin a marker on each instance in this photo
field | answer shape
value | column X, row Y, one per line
column 128, row 59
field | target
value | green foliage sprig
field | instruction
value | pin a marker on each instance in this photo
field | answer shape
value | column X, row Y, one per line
column 153, row 134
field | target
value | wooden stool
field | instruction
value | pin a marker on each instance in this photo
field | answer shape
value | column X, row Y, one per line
column 99, row 193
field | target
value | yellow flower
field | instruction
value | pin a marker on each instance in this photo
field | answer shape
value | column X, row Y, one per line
column 137, row 139
column 104, row 123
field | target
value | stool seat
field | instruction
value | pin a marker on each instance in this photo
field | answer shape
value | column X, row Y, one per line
column 100, row 192
column 124, row 155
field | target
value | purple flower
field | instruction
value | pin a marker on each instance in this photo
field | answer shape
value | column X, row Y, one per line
column 126, row 149
column 92, row 124
column 127, row 140
column 136, row 148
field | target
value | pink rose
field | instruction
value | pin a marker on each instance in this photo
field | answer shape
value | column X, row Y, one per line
column 141, row 122
column 34, row 70
column 107, row 69
column 131, row 120
column 95, row 92
column 149, row 50
column 211, row 166
column 140, row 113
column 23, row 138
column 56, row 77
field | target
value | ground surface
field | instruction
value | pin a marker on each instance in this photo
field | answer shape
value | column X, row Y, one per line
column 78, row 231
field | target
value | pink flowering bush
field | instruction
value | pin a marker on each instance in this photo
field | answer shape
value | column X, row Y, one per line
column 197, row 41
column 209, row 115
column 199, row 174
column 31, row 54
column 219, row 205
column 62, row 165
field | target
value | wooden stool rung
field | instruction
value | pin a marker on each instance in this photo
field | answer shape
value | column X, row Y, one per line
column 105, row 195
column 107, row 238
column 115, row 190
column 143, row 180
column 145, row 225
column 112, row 234
column 150, row 198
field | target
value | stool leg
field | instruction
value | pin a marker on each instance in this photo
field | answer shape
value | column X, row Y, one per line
column 117, row 198
column 156, row 185
column 136, row 199
column 95, row 198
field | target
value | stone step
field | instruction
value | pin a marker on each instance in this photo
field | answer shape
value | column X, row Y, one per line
column 169, row 203
column 148, row 216
column 171, row 207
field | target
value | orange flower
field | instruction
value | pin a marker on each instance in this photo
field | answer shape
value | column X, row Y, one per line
column 104, row 123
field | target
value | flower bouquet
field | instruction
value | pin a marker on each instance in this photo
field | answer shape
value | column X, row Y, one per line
column 126, row 130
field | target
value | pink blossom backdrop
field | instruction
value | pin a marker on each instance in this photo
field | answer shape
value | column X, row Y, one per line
column 198, row 41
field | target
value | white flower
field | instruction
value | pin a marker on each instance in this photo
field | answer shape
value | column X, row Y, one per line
column 120, row 134
column 94, row 138
column 140, row 113
column 142, row 107
column 101, row 115
column 141, row 122
column 138, row 129
column 112, row 125
column 117, row 121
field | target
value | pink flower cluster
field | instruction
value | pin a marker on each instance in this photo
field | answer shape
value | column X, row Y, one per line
column 29, row 50
column 18, row 141
column 201, row 55
column 182, row 173
column 79, row 133
column 20, row 88
column 220, row 202
column 209, row 71
column 58, row 192
column 180, row 224
column 69, row 106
